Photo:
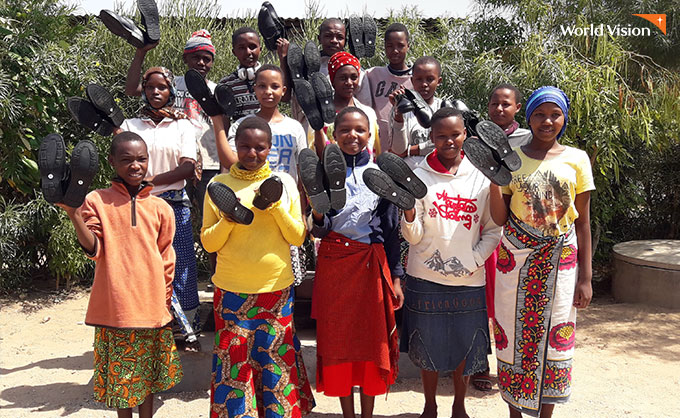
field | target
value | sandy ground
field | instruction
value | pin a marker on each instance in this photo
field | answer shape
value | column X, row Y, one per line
column 627, row 365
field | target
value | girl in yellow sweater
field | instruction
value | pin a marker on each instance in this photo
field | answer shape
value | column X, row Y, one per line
column 251, row 216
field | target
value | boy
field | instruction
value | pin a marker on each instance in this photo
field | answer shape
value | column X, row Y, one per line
column 505, row 101
column 128, row 232
column 445, row 328
column 245, row 44
column 409, row 139
column 383, row 81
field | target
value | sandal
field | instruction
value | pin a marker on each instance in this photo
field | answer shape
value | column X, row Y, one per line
column 482, row 157
column 270, row 25
column 495, row 138
column 150, row 20
column 53, row 168
column 105, row 104
column 382, row 185
column 269, row 192
column 311, row 176
column 402, row 174
column 200, row 91
column 84, row 166
column 324, row 96
column 482, row 382
column 84, row 112
column 335, row 167
column 226, row 201
column 123, row 27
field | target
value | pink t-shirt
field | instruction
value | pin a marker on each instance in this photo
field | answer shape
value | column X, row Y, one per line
column 382, row 83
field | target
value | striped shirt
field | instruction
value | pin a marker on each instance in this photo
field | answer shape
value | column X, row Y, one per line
column 244, row 93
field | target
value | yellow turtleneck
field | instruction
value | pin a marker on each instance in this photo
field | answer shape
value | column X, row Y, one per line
column 254, row 258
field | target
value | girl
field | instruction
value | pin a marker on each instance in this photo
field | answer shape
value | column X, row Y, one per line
column 257, row 363
column 544, row 262
column 171, row 140
column 354, row 295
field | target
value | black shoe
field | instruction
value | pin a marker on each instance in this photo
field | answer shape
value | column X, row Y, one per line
column 422, row 110
column 470, row 117
column 150, row 20
column 226, row 201
column 296, row 62
column 53, row 169
column 104, row 102
column 87, row 115
column 335, row 167
column 123, row 27
column 269, row 192
column 312, row 58
column 495, row 138
column 226, row 99
column 270, row 25
column 311, row 176
column 304, row 93
column 355, row 35
column 382, row 185
column 370, row 32
column 402, row 174
column 403, row 104
column 324, row 96
column 84, row 166
column 200, row 91
column 482, row 157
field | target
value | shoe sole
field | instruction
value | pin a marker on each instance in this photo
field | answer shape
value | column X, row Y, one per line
column 402, row 174
column 324, row 96
column 52, row 165
column 270, row 191
column 113, row 24
column 311, row 175
column 370, row 33
column 104, row 102
column 335, row 168
column 312, row 57
column 87, row 115
column 304, row 93
column 226, row 201
column 481, row 156
column 150, row 19
column 495, row 138
column 200, row 91
column 382, row 185
column 225, row 98
column 296, row 62
column 356, row 36
column 84, row 166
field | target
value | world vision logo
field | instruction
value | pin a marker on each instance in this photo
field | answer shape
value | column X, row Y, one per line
column 659, row 20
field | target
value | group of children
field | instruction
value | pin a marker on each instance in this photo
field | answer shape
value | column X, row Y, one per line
column 536, row 229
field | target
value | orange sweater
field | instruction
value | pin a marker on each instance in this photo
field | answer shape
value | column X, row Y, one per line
column 135, row 261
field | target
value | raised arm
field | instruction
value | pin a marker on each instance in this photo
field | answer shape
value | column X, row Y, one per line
column 226, row 155
column 133, row 82
column 86, row 237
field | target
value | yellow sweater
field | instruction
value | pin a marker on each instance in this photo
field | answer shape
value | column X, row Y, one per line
column 254, row 258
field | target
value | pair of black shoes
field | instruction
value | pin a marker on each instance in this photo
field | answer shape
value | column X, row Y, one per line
column 225, row 199
column 270, row 25
column 395, row 181
column 361, row 33
column 62, row 182
column 312, row 89
column 128, row 30
column 490, row 152
column 99, row 112
column 470, row 117
column 221, row 102
column 412, row 101
column 324, row 182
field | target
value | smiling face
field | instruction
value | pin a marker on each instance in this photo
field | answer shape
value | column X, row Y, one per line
column 332, row 38
column 346, row 81
column 503, row 107
column 352, row 133
column 396, row 47
column 157, row 90
column 448, row 135
column 425, row 80
column 247, row 49
column 546, row 122
column 201, row 61
column 269, row 88
column 130, row 161
column 252, row 148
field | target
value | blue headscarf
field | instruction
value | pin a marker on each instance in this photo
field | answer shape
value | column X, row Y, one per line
column 552, row 95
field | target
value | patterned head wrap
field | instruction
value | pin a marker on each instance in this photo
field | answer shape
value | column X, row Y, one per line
column 549, row 94
column 199, row 41
column 168, row 110
column 340, row 59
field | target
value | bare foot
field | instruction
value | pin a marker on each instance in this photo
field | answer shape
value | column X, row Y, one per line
column 430, row 411
column 459, row 412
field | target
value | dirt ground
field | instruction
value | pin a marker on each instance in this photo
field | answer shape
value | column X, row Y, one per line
column 627, row 364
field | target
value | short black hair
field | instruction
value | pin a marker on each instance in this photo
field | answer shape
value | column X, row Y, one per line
column 253, row 122
column 397, row 27
column 268, row 67
column 240, row 31
column 427, row 60
column 515, row 90
column 446, row 112
column 331, row 21
column 121, row 138
column 349, row 109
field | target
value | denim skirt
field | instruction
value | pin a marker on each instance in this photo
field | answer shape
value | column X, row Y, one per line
column 444, row 325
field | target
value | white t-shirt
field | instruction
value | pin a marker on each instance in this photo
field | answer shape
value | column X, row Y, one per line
column 167, row 143
column 288, row 139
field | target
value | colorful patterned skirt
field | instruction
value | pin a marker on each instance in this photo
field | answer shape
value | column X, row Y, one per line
column 535, row 316
column 257, row 363
column 130, row 364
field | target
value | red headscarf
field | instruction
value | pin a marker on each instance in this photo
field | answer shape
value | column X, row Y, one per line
column 340, row 59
